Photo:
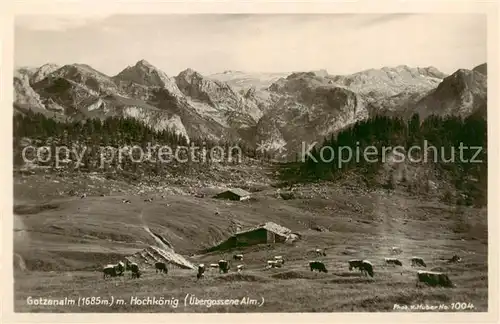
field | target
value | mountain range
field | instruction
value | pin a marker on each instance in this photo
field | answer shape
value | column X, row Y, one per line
column 276, row 110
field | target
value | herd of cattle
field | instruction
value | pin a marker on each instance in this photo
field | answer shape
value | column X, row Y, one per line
column 364, row 266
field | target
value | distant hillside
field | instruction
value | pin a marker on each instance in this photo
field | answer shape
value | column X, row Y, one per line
column 443, row 171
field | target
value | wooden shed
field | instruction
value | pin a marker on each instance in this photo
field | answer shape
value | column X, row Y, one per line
column 263, row 233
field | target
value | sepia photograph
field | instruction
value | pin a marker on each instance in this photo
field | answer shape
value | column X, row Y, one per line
column 250, row 163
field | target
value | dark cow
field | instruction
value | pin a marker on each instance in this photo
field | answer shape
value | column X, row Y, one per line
column 134, row 269
column 223, row 266
column 127, row 265
column 434, row 279
column 455, row 259
column 238, row 257
column 416, row 261
column 355, row 264
column 317, row 265
column 393, row 261
column 201, row 271
column 362, row 265
column 109, row 271
column 120, row 268
column 367, row 268
column 161, row 267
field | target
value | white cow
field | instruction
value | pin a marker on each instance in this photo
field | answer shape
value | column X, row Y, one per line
column 279, row 259
column 396, row 250
column 320, row 252
column 273, row 264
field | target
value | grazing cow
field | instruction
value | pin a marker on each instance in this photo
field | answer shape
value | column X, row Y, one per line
column 320, row 252
column 120, row 268
column 239, row 267
column 223, row 266
column 416, row 261
column 396, row 250
column 362, row 265
column 201, row 271
column 317, row 265
column 455, row 259
column 109, row 271
column 355, row 264
column 126, row 201
column 238, row 257
column 367, row 268
column 393, row 261
column 127, row 265
column 279, row 259
column 434, row 279
column 161, row 267
column 134, row 269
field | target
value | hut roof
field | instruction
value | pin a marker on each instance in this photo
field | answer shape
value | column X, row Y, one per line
column 237, row 191
column 270, row 226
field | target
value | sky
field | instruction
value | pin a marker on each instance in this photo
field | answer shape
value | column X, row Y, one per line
column 339, row 43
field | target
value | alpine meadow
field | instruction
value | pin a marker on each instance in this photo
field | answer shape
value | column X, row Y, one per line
column 258, row 163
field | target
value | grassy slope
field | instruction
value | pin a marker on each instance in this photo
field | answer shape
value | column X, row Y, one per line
column 65, row 242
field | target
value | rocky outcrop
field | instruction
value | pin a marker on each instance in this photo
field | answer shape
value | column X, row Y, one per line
column 149, row 256
column 145, row 74
column 157, row 120
column 462, row 93
column 86, row 77
column 374, row 84
column 24, row 94
column 42, row 72
column 309, row 110
column 216, row 94
column 482, row 68
column 243, row 81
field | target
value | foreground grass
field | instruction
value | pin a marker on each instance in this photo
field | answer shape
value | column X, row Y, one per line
column 289, row 289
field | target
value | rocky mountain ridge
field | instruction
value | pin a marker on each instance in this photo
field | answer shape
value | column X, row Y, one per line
column 277, row 111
